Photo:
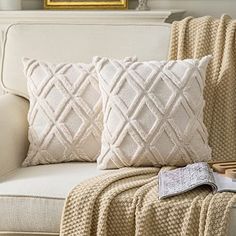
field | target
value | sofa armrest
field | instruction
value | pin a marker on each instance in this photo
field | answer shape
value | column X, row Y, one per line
column 13, row 132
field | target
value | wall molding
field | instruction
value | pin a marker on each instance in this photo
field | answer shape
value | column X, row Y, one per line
column 129, row 16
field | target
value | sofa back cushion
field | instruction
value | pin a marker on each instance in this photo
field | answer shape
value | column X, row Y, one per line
column 77, row 43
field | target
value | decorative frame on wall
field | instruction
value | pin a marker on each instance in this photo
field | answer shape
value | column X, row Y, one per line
column 85, row 4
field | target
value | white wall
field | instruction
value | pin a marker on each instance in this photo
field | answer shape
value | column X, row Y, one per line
column 193, row 7
column 32, row 4
column 199, row 7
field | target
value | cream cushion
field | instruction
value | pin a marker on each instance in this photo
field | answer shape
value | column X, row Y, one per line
column 77, row 42
column 65, row 118
column 153, row 112
column 32, row 198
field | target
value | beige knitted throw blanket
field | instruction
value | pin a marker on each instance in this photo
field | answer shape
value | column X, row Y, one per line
column 194, row 38
column 125, row 202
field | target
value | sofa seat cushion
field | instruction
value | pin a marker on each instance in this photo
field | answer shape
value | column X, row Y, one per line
column 32, row 198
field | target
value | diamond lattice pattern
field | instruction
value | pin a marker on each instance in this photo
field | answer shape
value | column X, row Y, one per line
column 65, row 116
column 153, row 113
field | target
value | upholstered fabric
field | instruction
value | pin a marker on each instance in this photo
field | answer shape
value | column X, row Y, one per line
column 197, row 37
column 28, row 202
column 30, row 214
column 152, row 112
column 65, row 118
column 77, row 42
column 56, row 43
column 13, row 132
column 32, row 198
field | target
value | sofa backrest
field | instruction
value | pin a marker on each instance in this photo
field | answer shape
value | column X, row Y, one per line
column 77, row 43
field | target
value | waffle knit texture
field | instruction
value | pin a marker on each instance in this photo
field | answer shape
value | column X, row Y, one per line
column 195, row 38
column 125, row 201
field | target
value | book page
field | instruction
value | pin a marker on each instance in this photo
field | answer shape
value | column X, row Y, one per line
column 180, row 180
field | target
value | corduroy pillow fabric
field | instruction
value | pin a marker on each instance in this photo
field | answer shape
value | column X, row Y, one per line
column 153, row 112
column 65, row 115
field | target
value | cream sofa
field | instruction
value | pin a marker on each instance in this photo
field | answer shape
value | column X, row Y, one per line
column 31, row 199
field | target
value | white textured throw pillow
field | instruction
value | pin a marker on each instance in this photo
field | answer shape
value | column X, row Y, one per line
column 153, row 112
column 65, row 116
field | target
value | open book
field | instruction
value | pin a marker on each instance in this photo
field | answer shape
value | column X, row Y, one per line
column 180, row 180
